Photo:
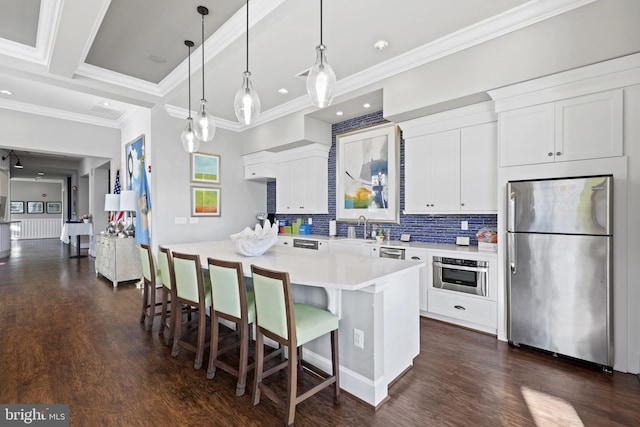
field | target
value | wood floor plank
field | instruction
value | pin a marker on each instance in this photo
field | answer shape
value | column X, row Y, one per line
column 67, row 336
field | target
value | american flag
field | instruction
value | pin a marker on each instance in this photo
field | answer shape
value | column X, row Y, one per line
column 116, row 216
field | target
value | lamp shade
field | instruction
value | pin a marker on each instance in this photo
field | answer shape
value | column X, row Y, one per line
column 111, row 202
column 128, row 200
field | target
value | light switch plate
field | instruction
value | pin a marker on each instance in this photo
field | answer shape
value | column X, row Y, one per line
column 405, row 237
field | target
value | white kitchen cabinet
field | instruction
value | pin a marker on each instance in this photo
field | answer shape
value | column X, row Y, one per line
column 452, row 171
column 302, row 181
column 117, row 259
column 579, row 128
column 260, row 166
column 432, row 172
column 421, row 256
column 478, row 168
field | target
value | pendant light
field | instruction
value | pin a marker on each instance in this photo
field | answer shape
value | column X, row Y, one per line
column 188, row 137
column 247, row 103
column 321, row 81
column 204, row 125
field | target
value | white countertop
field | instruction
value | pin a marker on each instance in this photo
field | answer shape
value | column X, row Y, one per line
column 449, row 247
column 312, row 268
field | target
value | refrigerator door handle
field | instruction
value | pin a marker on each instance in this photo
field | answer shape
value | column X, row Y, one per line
column 512, row 252
column 511, row 217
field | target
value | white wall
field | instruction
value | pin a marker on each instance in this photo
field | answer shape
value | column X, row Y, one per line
column 170, row 185
column 593, row 33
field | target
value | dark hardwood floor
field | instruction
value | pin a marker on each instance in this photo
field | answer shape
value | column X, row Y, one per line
column 68, row 337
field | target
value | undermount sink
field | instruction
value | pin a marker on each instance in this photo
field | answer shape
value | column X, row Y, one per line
column 358, row 241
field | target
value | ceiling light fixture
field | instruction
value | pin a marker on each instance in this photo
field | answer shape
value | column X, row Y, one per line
column 380, row 44
column 6, row 92
column 190, row 142
column 339, row 113
column 366, row 105
column 321, row 81
column 283, row 91
column 204, row 125
column 247, row 103
column 18, row 165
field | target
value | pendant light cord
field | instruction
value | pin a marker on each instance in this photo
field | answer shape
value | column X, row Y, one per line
column 189, row 80
column 320, row 21
column 202, row 47
column 247, row 35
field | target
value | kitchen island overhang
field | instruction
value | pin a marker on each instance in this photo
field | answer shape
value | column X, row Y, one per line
column 378, row 296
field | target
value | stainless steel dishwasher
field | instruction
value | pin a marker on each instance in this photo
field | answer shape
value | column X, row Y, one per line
column 395, row 253
column 305, row 244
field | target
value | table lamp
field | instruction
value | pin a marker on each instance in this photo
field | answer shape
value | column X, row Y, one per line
column 129, row 203
column 112, row 204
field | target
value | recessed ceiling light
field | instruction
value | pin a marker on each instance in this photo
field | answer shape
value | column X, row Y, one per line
column 105, row 103
column 366, row 105
column 339, row 113
column 283, row 91
column 380, row 44
column 40, row 173
column 157, row 59
column 6, row 92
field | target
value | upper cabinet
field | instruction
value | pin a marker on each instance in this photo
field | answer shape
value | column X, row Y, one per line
column 450, row 162
column 260, row 166
column 584, row 127
column 302, row 180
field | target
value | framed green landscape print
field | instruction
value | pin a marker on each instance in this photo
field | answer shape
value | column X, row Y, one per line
column 205, row 168
column 205, row 201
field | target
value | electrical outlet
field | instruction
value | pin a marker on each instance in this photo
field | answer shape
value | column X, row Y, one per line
column 358, row 338
column 464, row 225
column 180, row 220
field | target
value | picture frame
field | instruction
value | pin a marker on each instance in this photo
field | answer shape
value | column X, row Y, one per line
column 16, row 207
column 35, row 207
column 134, row 151
column 205, row 201
column 205, row 168
column 54, row 207
column 368, row 174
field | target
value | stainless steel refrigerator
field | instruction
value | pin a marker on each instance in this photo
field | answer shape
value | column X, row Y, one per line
column 560, row 235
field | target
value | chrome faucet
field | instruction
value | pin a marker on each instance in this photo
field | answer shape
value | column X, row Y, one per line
column 364, row 232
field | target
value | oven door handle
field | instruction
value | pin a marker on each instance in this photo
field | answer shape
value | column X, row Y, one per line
column 460, row 267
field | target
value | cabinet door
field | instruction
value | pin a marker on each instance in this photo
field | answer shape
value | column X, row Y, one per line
column 478, row 168
column 283, row 188
column 416, row 153
column 443, row 182
column 417, row 255
column 299, row 185
column 589, row 127
column 527, row 135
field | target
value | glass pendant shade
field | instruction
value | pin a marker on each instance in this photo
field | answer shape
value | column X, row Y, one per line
column 190, row 142
column 321, row 81
column 246, row 103
column 204, row 125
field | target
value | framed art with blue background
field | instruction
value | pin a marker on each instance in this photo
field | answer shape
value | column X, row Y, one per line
column 133, row 154
column 368, row 174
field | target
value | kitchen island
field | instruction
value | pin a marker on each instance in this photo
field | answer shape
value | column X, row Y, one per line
column 375, row 296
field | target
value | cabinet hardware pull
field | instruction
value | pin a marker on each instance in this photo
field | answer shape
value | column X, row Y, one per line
column 253, row 173
column 461, row 204
column 417, row 258
column 558, row 153
column 459, row 307
column 550, row 154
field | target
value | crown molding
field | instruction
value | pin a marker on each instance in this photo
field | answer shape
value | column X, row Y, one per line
column 118, row 79
column 102, row 11
column 57, row 114
column 183, row 113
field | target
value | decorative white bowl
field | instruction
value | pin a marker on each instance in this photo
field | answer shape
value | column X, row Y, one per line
column 255, row 242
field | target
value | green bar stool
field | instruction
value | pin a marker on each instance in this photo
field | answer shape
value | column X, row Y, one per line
column 293, row 325
column 192, row 289
column 231, row 301
column 152, row 282
column 167, row 316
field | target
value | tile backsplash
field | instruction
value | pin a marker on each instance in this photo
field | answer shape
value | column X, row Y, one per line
column 423, row 228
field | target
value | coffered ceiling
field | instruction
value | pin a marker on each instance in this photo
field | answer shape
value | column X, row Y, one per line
column 93, row 60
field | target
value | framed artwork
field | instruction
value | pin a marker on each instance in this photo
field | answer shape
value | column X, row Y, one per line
column 16, row 207
column 134, row 151
column 205, row 201
column 368, row 174
column 35, row 207
column 54, row 207
column 205, row 168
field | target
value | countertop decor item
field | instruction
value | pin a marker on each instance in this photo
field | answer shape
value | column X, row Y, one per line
column 256, row 242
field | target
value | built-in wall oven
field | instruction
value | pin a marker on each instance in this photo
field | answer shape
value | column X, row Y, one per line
column 461, row 275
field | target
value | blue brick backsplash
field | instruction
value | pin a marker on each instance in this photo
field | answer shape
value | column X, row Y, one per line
column 423, row 228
